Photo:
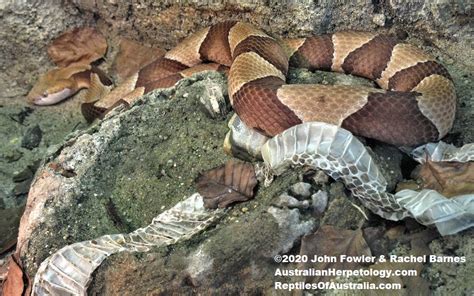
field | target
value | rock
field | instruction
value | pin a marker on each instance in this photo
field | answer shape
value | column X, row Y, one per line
column 3, row 272
column 375, row 237
column 379, row 19
column 9, row 220
column 320, row 178
column 301, row 190
column 27, row 27
column 239, row 250
column 452, row 278
column 56, row 200
column 319, row 201
column 288, row 201
column 23, row 175
column 213, row 97
column 389, row 160
column 22, row 187
column 291, row 225
column 32, row 137
column 341, row 211
column 199, row 266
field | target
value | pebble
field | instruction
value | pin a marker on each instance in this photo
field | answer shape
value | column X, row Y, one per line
column 379, row 19
column 288, row 201
column 320, row 178
column 245, row 210
column 23, row 175
column 301, row 190
column 32, row 137
column 22, row 187
column 319, row 201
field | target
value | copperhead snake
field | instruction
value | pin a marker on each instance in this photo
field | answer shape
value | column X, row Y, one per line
column 415, row 104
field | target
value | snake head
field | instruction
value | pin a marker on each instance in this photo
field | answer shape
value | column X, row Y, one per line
column 50, row 98
column 56, row 85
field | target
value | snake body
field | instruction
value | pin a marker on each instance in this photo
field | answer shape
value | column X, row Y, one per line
column 415, row 104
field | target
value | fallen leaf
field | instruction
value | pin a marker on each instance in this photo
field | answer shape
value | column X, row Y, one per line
column 14, row 284
column 134, row 56
column 78, row 46
column 227, row 184
column 448, row 178
column 332, row 241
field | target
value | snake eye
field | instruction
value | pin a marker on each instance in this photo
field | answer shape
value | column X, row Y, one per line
column 45, row 94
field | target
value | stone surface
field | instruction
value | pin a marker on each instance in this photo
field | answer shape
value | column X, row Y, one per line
column 9, row 220
column 288, row 201
column 452, row 278
column 301, row 190
column 134, row 155
column 32, row 137
column 319, row 201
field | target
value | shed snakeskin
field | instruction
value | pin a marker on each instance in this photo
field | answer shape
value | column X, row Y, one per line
column 69, row 270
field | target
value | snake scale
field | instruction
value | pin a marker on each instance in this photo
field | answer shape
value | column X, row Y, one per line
column 310, row 125
column 416, row 103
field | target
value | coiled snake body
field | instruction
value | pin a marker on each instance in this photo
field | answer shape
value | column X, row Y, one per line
column 417, row 104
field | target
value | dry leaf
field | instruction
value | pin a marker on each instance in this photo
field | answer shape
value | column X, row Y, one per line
column 14, row 285
column 332, row 241
column 134, row 56
column 79, row 46
column 227, row 184
column 448, row 178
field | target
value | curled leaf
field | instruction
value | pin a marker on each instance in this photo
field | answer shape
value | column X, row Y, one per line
column 134, row 56
column 448, row 178
column 78, row 46
column 227, row 184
